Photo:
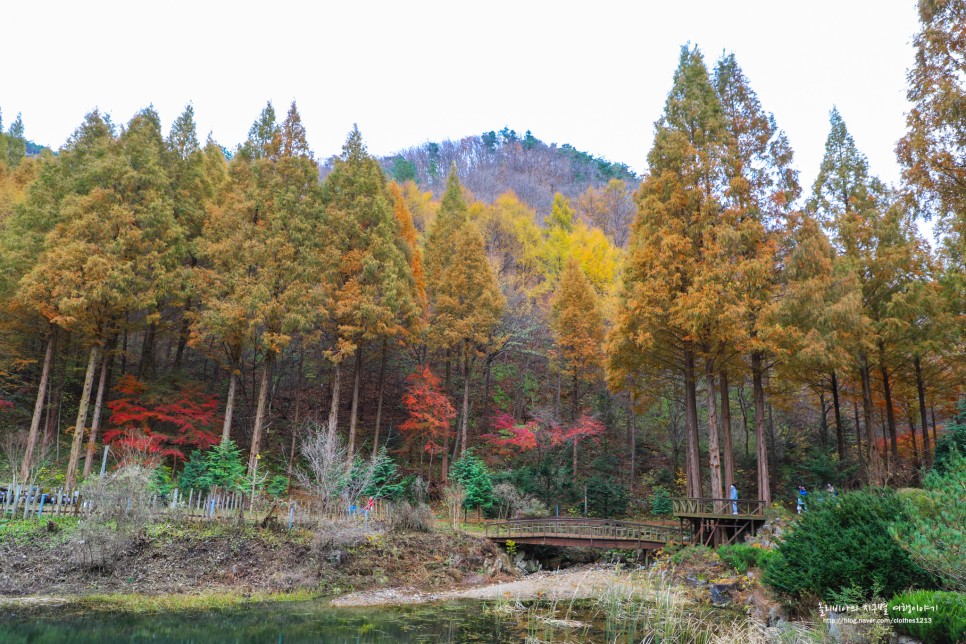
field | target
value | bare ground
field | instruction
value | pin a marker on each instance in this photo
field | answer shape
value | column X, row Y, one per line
column 193, row 559
column 572, row 583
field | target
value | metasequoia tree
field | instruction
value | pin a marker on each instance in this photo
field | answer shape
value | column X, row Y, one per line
column 871, row 239
column 464, row 296
column 741, row 281
column 262, row 277
column 111, row 251
column 933, row 151
column 578, row 329
column 197, row 177
column 677, row 204
column 373, row 291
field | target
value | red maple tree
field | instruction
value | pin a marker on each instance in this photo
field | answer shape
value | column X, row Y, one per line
column 150, row 425
column 430, row 411
column 513, row 437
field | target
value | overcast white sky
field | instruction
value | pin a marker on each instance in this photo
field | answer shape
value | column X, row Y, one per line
column 591, row 74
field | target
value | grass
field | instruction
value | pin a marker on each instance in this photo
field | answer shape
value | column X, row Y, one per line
column 22, row 531
column 134, row 603
column 642, row 607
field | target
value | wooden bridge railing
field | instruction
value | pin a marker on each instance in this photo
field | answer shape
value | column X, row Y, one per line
column 588, row 529
column 718, row 507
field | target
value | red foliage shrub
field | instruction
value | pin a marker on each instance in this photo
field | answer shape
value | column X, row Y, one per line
column 162, row 423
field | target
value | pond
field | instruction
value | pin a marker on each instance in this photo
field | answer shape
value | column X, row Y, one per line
column 286, row 622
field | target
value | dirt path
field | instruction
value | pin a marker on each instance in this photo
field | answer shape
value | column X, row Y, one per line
column 573, row 583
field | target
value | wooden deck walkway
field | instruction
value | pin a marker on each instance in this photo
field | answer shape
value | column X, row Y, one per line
column 709, row 521
column 718, row 522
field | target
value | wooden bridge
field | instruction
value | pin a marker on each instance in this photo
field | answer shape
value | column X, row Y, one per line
column 592, row 533
column 709, row 521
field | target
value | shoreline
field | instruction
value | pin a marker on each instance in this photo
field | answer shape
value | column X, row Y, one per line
column 580, row 582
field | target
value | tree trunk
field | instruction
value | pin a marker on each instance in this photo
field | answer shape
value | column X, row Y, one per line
column 839, row 431
column 764, row 485
column 124, row 347
column 921, row 391
column 915, row 441
column 334, row 406
column 70, row 481
column 54, row 409
column 28, row 455
column 465, row 420
column 146, row 364
column 631, row 444
column 823, row 423
column 382, row 391
column 692, row 455
column 298, row 416
column 890, row 412
column 230, row 402
column 354, row 413
column 873, row 459
column 714, row 451
column 485, row 412
column 557, row 397
column 726, row 445
column 573, row 471
column 858, row 432
column 260, row 412
column 744, row 417
column 102, row 384
column 444, row 463
column 183, row 333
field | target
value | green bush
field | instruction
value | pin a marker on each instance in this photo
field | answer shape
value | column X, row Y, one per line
column 277, row 486
column 473, row 475
column 951, row 441
column 842, row 543
column 692, row 553
column 221, row 466
column 160, row 482
column 935, row 534
column 741, row 557
column 385, row 483
column 947, row 617
column 606, row 498
column 661, row 503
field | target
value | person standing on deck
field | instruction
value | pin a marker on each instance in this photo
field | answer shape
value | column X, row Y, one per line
column 733, row 495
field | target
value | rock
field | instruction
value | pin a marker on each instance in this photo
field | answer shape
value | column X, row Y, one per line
column 775, row 616
column 334, row 557
column 832, row 622
column 694, row 581
column 721, row 594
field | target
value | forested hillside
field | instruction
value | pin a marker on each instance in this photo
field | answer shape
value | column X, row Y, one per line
column 491, row 304
column 496, row 162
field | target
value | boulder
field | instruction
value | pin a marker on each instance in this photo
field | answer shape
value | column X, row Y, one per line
column 721, row 594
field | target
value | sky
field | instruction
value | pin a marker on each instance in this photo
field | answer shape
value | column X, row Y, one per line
column 594, row 75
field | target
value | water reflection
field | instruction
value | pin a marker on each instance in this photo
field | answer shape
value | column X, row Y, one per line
column 281, row 623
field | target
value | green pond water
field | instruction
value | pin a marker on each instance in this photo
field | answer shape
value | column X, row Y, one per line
column 286, row 622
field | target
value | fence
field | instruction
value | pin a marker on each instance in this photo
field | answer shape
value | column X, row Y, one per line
column 28, row 502
column 708, row 507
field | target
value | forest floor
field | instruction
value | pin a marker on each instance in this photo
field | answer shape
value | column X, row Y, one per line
column 45, row 559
